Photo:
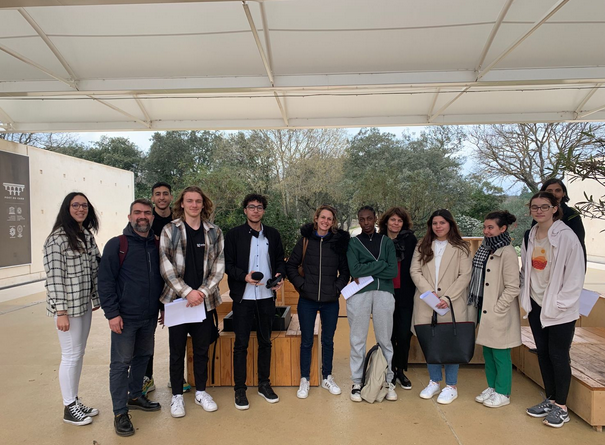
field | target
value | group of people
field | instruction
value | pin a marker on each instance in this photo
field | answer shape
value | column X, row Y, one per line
column 165, row 253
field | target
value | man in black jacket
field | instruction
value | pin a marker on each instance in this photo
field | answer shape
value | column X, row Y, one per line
column 253, row 254
column 130, row 285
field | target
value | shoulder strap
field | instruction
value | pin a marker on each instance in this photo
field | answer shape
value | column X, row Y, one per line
column 526, row 238
column 123, row 249
column 305, row 244
column 176, row 236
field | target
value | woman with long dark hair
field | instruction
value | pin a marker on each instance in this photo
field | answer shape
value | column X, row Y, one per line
column 570, row 216
column 552, row 277
column 442, row 265
column 397, row 224
column 493, row 293
column 322, row 251
column 71, row 262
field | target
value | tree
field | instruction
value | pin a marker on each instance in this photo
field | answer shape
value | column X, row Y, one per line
column 47, row 141
column 176, row 154
column 530, row 153
column 590, row 167
column 422, row 174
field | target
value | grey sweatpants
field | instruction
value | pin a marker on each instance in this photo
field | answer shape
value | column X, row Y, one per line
column 380, row 305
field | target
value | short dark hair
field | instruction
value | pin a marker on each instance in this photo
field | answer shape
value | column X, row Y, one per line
column 161, row 184
column 370, row 208
column 254, row 197
column 143, row 201
column 557, row 181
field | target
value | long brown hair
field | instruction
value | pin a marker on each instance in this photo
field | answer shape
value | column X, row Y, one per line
column 400, row 212
column 425, row 247
column 177, row 210
column 70, row 226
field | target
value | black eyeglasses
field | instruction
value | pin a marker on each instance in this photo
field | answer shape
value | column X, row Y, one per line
column 259, row 208
column 77, row 205
column 544, row 208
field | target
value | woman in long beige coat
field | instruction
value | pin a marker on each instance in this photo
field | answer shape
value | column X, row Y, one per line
column 494, row 292
column 441, row 264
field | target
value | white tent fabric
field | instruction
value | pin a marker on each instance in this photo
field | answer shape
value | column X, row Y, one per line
column 114, row 65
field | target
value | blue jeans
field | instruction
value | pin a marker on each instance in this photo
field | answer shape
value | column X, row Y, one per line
column 328, row 313
column 451, row 373
column 130, row 352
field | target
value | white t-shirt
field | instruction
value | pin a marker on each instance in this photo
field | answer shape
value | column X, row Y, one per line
column 540, row 269
column 259, row 262
column 438, row 250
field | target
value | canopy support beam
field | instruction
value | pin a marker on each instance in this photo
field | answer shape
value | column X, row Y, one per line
column 492, row 34
column 265, row 59
column 552, row 11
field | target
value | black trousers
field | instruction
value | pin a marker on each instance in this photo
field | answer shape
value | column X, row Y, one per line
column 243, row 318
column 402, row 335
column 177, row 340
column 553, row 344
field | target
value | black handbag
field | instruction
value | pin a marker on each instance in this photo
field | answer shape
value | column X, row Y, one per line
column 447, row 343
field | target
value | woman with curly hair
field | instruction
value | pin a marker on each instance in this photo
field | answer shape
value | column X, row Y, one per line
column 396, row 223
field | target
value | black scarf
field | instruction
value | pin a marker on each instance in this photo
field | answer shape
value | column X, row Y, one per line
column 488, row 246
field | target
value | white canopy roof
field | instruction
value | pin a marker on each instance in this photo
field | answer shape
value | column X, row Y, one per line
column 86, row 65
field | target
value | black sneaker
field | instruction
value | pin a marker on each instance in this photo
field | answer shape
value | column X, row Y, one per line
column 556, row 417
column 541, row 409
column 144, row 404
column 123, row 425
column 241, row 401
column 404, row 382
column 74, row 415
column 86, row 409
column 268, row 394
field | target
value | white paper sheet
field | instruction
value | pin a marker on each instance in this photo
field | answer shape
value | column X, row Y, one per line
column 177, row 313
column 352, row 288
column 588, row 299
column 432, row 300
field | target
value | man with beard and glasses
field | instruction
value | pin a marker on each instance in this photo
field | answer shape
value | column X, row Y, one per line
column 130, row 286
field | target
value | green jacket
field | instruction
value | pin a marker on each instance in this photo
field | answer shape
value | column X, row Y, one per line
column 363, row 264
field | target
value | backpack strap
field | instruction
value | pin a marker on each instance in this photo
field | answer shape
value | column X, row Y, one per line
column 526, row 238
column 123, row 248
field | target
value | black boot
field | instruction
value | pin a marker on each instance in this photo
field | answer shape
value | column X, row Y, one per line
column 123, row 425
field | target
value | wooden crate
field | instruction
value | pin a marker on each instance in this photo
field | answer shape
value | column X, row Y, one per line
column 587, row 391
column 285, row 358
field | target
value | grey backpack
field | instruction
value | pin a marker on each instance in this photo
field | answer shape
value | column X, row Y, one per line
column 374, row 384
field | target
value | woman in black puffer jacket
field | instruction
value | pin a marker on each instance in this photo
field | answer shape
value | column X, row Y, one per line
column 322, row 250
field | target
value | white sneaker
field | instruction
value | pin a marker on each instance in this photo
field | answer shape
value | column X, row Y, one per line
column 205, row 400
column 303, row 389
column 447, row 395
column 391, row 394
column 329, row 384
column 431, row 389
column 496, row 400
column 356, row 393
column 486, row 394
column 177, row 406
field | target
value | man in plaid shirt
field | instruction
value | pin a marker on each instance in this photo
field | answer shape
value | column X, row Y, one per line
column 192, row 265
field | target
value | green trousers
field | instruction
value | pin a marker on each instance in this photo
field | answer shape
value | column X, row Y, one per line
column 498, row 369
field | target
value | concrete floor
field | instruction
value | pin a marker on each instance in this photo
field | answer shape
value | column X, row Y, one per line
column 32, row 409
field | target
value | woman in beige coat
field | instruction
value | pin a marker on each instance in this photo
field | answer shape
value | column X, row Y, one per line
column 493, row 293
column 441, row 264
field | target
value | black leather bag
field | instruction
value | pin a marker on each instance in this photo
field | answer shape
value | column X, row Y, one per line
column 447, row 343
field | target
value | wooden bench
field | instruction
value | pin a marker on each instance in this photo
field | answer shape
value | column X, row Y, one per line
column 587, row 391
column 285, row 358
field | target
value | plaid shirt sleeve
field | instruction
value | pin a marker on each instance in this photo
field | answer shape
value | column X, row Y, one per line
column 170, row 261
column 54, row 265
column 214, row 270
